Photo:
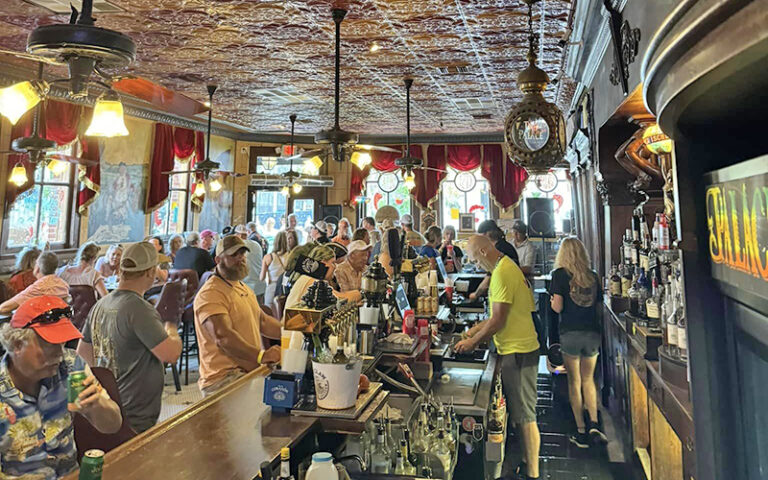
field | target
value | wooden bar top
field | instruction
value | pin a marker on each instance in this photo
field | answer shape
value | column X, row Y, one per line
column 225, row 436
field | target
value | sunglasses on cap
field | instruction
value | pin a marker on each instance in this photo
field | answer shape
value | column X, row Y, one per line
column 51, row 316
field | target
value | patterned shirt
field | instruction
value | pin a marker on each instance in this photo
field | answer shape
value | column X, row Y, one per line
column 348, row 277
column 38, row 441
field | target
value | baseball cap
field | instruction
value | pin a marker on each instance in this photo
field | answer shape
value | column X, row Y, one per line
column 49, row 317
column 406, row 219
column 339, row 250
column 320, row 225
column 230, row 245
column 207, row 233
column 520, row 226
column 141, row 256
column 241, row 229
column 357, row 245
column 387, row 212
column 487, row 226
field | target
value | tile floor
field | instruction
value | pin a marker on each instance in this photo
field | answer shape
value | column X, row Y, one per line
column 175, row 402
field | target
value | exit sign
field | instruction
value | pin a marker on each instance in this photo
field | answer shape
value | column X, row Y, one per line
column 288, row 150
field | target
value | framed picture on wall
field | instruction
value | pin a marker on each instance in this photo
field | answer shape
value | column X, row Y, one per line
column 466, row 222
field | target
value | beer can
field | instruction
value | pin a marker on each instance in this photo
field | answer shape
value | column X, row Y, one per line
column 92, row 465
column 75, row 385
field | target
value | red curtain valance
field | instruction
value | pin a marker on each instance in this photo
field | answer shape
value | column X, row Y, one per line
column 60, row 122
column 506, row 179
column 171, row 143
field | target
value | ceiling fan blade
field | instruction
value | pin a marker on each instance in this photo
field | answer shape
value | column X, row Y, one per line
column 10, row 152
column 377, row 147
column 159, row 96
column 315, row 181
column 177, row 172
column 225, row 173
column 307, row 154
column 430, row 168
column 34, row 58
column 67, row 158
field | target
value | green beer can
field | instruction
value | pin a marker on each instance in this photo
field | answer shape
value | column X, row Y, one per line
column 91, row 465
column 75, row 385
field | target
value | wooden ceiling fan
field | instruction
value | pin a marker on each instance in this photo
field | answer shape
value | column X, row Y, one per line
column 88, row 51
column 292, row 178
column 340, row 144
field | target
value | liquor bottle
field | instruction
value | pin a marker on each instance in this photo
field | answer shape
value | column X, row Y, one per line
column 266, row 471
column 627, row 247
column 626, row 281
column 285, row 464
column 682, row 336
column 635, row 248
column 655, row 231
column 645, row 252
column 642, row 286
column 409, row 453
column 615, row 283
column 634, row 295
column 404, row 466
column 663, row 232
column 340, row 357
column 389, row 439
column 381, row 458
column 441, row 451
column 419, row 444
column 653, row 303
column 495, row 427
column 671, row 320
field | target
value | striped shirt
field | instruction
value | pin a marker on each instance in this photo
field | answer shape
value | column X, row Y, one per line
column 37, row 436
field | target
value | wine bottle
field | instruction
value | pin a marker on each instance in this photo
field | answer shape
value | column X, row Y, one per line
column 615, row 282
column 340, row 357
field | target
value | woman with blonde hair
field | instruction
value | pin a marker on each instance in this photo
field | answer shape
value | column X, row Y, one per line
column 23, row 272
column 109, row 264
column 83, row 272
column 342, row 235
column 174, row 245
column 576, row 296
column 273, row 265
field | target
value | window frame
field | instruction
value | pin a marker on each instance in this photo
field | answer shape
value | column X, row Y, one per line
column 187, row 200
column 363, row 210
column 72, row 228
column 442, row 210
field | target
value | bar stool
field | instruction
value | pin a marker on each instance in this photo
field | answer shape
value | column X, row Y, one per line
column 170, row 307
column 188, row 336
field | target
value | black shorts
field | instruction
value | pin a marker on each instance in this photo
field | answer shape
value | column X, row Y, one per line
column 580, row 343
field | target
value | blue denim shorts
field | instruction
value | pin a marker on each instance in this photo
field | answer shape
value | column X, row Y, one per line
column 580, row 343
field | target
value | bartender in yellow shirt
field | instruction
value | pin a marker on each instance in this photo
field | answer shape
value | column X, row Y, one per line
column 513, row 332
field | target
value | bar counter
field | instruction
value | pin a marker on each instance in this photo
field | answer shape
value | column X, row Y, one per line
column 226, row 435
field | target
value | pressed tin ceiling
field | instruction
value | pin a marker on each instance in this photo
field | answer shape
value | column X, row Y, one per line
column 463, row 54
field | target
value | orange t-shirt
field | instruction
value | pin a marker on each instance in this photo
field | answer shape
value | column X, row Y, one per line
column 239, row 305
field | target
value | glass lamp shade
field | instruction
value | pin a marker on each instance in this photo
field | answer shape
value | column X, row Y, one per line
column 215, row 185
column 18, row 175
column 268, row 163
column 361, row 159
column 17, row 99
column 56, row 167
column 285, row 191
column 199, row 189
column 656, row 141
column 410, row 181
column 312, row 165
column 107, row 117
column 297, row 188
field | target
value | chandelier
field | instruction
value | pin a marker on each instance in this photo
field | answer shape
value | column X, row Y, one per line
column 534, row 130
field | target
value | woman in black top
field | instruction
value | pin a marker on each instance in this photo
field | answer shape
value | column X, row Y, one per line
column 576, row 296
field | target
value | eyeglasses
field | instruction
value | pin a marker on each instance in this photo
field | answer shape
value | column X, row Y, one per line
column 52, row 316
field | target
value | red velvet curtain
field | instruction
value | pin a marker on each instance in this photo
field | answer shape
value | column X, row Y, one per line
column 505, row 178
column 464, row 157
column 381, row 161
column 428, row 181
column 89, row 176
column 61, row 121
column 162, row 161
column 183, row 142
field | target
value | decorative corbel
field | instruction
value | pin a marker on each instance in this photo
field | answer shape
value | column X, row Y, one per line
column 625, row 46
column 638, row 161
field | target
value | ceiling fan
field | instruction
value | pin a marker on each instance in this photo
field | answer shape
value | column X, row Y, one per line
column 39, row 150
column 292, row 180
column 87, row 50
column 208, row 166
column 408, row 163
column 341, row 145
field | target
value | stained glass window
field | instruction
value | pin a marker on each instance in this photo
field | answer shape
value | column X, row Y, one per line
column 41, row 215
column 460, row 194
column 385, row 188
column 171, row 217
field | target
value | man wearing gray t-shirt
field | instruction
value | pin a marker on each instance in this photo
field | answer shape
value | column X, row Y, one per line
column 125, row 334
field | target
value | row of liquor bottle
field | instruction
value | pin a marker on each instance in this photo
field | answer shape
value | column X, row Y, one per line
column 432, row 433
column 650, row 276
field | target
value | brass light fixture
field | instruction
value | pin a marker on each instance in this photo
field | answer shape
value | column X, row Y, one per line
column 534, row 130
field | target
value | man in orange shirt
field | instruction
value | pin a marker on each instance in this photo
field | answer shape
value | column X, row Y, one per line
column 230, row 323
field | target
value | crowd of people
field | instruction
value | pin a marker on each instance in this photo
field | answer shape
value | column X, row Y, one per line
column 240, row 278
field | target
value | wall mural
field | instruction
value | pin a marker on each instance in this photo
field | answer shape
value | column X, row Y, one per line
column 117, row 215
column 217, row 208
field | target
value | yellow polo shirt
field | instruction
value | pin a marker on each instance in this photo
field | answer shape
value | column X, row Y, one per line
column 508, row 286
